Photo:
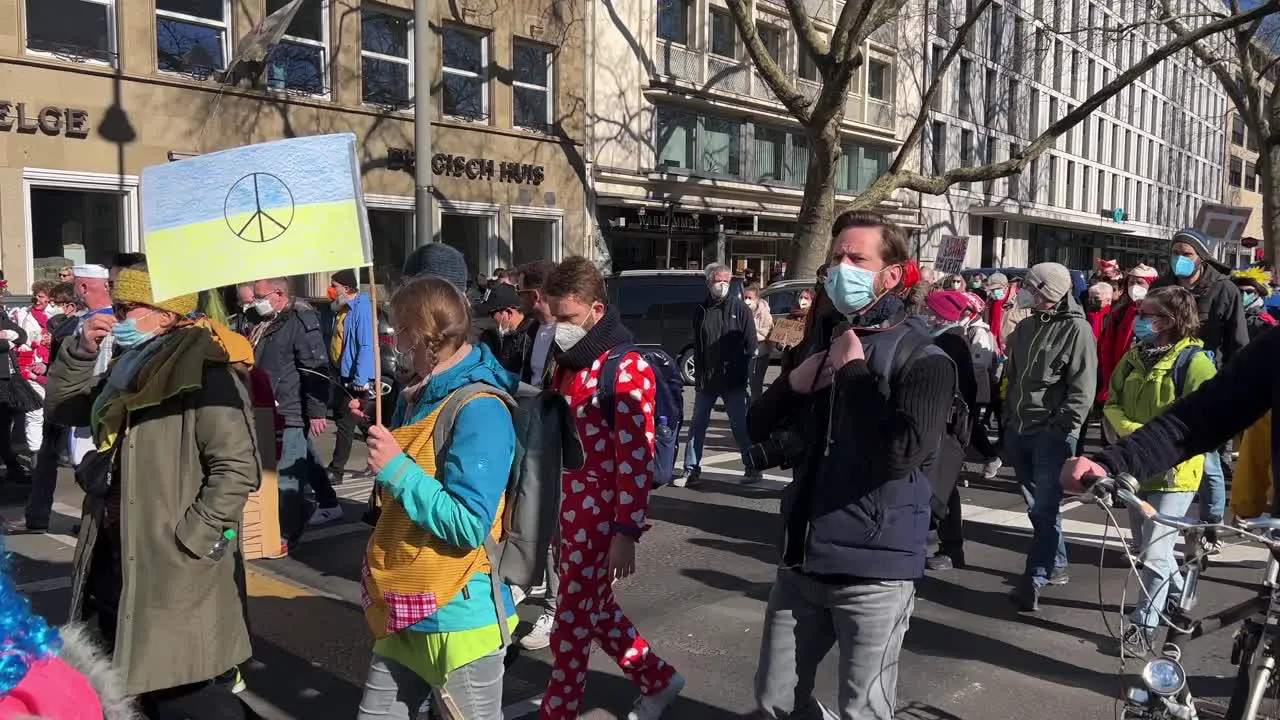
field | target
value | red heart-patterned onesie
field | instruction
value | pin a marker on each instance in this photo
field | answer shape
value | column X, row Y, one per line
column 611, row 491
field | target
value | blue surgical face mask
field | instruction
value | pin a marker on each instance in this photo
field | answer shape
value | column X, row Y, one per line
column 1143, row 329
column 850, row 288
column 1183, row 266
column 1248, row 298
column 127, row 334
column 997, row 294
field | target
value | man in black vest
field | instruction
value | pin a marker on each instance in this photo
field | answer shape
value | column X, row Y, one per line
column 857, row 514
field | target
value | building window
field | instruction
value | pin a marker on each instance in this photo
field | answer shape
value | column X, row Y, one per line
column 879, row 81
column 935, row 73
column 990, row 101
column 1237, row 129
column 770, row 151
column 1011, row 103
column 939, row 148
column 386, row 65
column 720, row 151
column 964, row 91
column 191, row 36
column 996, row 43
column 1071, row 185
column 1251, row 177
column 533, row 101
column 966, row 152
column 299, row 63
column 534, row 239
column 466, row 73
column 73, row 29
column 80, row 226
column 675, row 132
column 1053, row 180
column 798, row 163
column 771, row 38
column 723, row 35
column 872, row 163
column 471, row 235
column 673, row 21
column 808, row 69
column 391, row 234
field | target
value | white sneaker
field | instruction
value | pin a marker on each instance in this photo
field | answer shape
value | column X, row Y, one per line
column 540, row 636
column 324, row 516
column 992, row 468
column 650, row 707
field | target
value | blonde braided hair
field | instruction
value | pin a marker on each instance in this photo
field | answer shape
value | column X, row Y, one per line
column 434, row 314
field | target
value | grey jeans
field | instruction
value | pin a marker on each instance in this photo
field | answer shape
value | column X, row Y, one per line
column 805, row 618
column 473, row 692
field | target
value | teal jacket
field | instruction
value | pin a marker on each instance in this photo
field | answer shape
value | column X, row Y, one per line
column 459, row 506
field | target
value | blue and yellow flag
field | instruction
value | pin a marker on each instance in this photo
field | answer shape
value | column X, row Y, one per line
column 275, row 209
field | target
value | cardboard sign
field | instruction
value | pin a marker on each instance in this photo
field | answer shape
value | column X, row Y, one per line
column 787, row 332
column 951, row 252
column 1224, row 224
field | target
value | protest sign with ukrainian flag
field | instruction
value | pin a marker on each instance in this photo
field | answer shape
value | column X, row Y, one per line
column 275, row 209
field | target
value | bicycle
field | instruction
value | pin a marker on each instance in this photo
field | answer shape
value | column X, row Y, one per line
column 1256, row 645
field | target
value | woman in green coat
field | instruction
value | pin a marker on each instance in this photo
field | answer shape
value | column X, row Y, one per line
column 1165, row 363
column 157, row 563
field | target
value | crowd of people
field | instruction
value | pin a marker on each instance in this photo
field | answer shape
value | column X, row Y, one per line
column 155, row 403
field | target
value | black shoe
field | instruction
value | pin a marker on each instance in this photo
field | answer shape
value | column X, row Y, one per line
column 26, row 527
column 336, row 477
column 1059, row 576
column 1025, row 596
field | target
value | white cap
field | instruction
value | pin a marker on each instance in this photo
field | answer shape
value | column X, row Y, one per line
column 92, row 272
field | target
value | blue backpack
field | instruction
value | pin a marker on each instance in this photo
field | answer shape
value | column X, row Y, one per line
column 668, row 407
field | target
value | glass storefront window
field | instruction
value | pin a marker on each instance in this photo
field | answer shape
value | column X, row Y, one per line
column 769, row 149
column 799, row 165
column 532, row 240
column 391, row 233
column 871, row 165
column 79, row 226
column 674, row 132
column 721, row 147
column 470, row 235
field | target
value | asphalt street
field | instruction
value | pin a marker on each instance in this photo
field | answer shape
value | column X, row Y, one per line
column 705, row 571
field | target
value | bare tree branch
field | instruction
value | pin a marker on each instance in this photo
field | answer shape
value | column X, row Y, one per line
column 782, row 87
column 938, row 184
column 851, row 19
column 810, row 39
column 935, row 84
column 1224, row 71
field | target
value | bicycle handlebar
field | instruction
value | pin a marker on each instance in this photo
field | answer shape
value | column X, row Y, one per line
column 1125, row 487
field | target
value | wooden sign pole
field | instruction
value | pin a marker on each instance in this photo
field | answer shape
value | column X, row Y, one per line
column 377, row 349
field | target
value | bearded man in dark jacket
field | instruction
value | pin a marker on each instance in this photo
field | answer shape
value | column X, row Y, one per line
column 1222, row 330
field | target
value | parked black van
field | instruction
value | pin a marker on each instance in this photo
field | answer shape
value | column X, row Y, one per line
column 658, row 307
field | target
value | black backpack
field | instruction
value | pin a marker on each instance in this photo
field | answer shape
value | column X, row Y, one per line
column 942, row 466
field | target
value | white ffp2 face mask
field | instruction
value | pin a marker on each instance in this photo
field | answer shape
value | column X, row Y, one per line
column 568, row 335
column 719, row 290
column 1137, row 293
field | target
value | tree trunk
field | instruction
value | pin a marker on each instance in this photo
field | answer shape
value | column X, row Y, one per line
column 1269, row 175
column 812, row 240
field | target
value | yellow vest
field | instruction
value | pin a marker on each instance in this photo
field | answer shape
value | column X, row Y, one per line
column 339, row 337
column 409, row 573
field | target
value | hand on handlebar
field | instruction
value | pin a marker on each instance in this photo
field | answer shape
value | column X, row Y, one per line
column 1076, row 470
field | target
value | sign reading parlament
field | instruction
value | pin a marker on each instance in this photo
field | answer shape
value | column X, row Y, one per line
column 49, row 120
column 482, row 169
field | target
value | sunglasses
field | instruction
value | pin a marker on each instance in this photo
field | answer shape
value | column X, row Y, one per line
column 122, row 310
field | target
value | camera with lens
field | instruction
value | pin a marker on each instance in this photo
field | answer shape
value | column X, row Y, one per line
column 782, row 450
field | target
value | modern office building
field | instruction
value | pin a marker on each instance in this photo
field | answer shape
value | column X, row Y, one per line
column 1117, row 185
column 1243, row 185
column 694, row 159
column 96, row 90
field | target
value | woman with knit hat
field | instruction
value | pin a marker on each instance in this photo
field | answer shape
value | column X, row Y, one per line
column 173, row 463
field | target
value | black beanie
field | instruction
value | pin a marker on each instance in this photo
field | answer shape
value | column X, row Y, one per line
column 347, row 278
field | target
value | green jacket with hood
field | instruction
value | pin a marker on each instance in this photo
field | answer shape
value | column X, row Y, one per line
column 1052, row 370
column 1138, row 394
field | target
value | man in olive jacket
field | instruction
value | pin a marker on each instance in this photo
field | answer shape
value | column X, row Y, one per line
column 1052, row 371
column 147, row 573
